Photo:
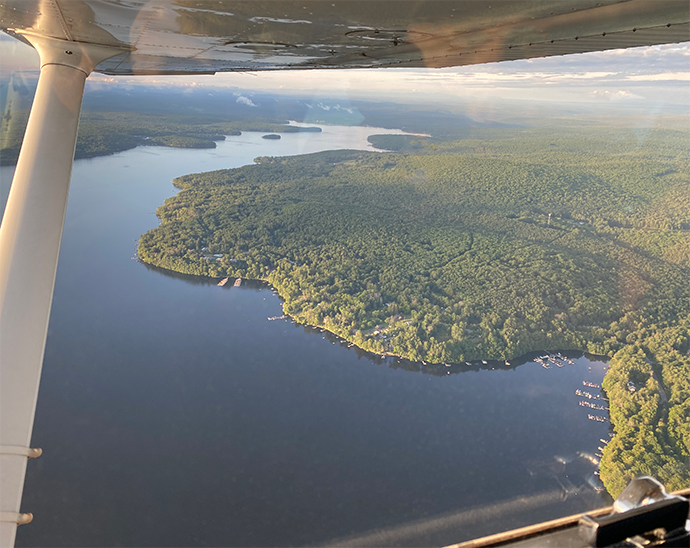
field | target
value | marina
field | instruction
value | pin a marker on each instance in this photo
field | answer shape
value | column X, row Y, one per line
column 557, row 359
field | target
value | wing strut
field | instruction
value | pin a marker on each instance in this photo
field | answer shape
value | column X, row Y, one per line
column 29, row 247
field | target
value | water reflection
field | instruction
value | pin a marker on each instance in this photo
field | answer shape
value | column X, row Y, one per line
column 189, row 278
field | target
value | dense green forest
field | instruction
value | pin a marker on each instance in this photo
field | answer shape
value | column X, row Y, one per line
column 652, row 425
column 503, row 242
column 102, row 133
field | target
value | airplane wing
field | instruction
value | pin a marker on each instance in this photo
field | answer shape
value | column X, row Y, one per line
column 130, row 37
column 190, row 36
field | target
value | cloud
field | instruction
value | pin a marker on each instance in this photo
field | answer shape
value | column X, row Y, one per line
column 483, row 77
column 610, row 95
column 664, row 76
column 242, row 100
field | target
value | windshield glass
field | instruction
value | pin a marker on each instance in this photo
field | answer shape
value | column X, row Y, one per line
column 407, row 307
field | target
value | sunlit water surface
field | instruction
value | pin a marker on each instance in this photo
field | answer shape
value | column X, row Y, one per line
column 173, row 413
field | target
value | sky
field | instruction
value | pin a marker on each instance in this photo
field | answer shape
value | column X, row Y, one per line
column 657, row 74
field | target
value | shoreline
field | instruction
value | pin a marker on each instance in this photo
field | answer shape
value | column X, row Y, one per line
column 475, row 363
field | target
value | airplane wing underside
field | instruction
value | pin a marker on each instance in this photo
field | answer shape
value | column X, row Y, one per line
column 207, row 36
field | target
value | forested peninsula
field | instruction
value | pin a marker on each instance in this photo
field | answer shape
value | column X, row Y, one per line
column 503, row 242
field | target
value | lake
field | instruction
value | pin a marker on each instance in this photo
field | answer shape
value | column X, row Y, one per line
column 173, row 413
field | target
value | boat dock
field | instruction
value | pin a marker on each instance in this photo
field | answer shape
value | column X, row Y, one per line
column 558, row 359
column 584, row 403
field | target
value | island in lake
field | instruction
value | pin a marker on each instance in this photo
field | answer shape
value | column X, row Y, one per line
column 489, row 246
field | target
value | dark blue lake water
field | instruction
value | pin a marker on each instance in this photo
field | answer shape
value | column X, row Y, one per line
column 173, row 413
